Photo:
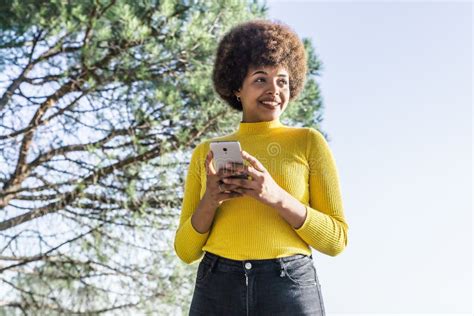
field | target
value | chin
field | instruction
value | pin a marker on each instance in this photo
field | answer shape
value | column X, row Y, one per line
column 271, row 117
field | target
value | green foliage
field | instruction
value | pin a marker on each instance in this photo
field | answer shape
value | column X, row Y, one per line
column 142, row 70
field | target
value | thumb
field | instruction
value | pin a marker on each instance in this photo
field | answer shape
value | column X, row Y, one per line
column 210, row 170
column 253, row 161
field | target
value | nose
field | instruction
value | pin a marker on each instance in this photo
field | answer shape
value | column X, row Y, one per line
column 273, row 89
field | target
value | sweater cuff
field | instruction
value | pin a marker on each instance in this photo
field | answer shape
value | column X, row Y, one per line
column 190, row 242
column 310, row 225
column 306, row 220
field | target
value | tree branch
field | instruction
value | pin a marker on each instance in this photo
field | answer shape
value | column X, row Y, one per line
column 71, row 196
column 45, row 254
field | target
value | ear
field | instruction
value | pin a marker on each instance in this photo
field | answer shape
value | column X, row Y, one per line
column 237, row 93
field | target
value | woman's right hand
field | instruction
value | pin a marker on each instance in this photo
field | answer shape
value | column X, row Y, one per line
column 214, row 184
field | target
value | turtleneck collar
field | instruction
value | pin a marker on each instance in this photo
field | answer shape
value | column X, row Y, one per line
column 258, row 127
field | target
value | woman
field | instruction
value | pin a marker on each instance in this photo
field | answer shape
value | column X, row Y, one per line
column 256, row 233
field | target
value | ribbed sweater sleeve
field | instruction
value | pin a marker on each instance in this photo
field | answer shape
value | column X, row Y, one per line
column 188, row 242
column 324, row 228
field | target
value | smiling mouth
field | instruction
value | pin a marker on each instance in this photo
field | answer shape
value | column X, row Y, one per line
column 270, row 105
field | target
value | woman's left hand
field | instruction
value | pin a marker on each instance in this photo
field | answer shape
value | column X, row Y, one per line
column 262, row 187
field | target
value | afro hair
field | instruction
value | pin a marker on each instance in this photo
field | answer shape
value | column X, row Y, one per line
column 257, row 43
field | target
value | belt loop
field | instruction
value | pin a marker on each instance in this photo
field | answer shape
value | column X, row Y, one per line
column 282, row 267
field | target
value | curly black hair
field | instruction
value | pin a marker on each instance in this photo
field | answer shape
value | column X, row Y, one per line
column 257, row 43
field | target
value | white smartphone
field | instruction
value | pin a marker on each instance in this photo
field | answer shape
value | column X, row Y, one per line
column 225, row 152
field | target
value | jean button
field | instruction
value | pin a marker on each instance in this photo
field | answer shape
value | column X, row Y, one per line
column 248, row 265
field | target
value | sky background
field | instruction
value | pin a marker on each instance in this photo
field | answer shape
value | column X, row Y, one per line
column 397, row 89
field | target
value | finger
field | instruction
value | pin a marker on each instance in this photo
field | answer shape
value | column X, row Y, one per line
column 232, row 183
column 220, row 173
column 241, row 173
column 243, row 191
column 222, row 187
column 253, row 161
column 235, row 166
column 224, row 172
column 233, row 170
column 252, row 172
column 209, row 165
column 206, row 162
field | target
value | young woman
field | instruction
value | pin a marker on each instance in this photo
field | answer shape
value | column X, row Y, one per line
column 254, row 235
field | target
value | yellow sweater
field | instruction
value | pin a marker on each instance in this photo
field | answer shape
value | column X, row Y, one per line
column 300, row 161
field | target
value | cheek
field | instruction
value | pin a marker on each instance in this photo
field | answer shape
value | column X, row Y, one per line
column 254, row 96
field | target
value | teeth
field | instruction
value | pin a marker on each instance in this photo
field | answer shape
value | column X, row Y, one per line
column 270, row 103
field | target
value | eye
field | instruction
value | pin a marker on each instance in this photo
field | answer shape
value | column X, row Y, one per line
column 259, row 79
column 284, row 81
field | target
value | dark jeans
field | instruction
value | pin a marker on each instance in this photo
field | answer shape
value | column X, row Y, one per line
column 283, row 286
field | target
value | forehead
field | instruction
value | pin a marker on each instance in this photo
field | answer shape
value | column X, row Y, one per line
column 267, row 70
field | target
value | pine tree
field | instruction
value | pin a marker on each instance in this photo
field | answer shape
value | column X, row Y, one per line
column 100, row 104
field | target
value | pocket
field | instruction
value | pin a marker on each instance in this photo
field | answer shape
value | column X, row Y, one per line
column 203, row 271
column 301, row 272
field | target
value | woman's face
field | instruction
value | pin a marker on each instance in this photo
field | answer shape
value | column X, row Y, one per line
column 264, row 93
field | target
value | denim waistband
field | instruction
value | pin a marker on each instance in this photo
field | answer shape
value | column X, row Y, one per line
column 212, row 257
column 237, row 265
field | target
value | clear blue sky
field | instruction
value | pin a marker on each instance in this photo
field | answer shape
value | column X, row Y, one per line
column 397, row 87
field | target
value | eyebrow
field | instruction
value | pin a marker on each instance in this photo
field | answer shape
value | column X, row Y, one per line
column 263, row 72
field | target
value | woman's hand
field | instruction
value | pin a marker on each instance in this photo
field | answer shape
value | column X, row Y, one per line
column 216, row 192
column 261, row 187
